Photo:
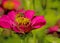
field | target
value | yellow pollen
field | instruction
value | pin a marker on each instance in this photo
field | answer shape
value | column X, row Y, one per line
column 22, row 20
column 9, row 5
column 25, row 21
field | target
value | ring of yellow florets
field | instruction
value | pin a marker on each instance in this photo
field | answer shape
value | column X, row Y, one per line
column 22, row 20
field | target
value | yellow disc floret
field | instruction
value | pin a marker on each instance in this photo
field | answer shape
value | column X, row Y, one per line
column 8, row 5
column 22, row 20
column 25, row 21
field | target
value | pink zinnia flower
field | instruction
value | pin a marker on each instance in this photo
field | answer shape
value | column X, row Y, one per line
column 55, row 28
column 11, row 4
column 22, row 24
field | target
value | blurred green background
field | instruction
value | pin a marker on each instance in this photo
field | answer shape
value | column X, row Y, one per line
column 51, row 10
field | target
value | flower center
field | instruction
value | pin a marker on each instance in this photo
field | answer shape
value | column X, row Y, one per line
column 8, row 5
column 21, row 20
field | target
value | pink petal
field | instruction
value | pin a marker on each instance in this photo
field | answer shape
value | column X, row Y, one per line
column 53, row 29
column 17, row 3
column 22, row 29
column 1, row 11
column 16, row 29
column 21, row 11
column 29, row 14
column 25, row 29
column 4, row 22
column 3, row 0
column 38, row 22
column 12, row 15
